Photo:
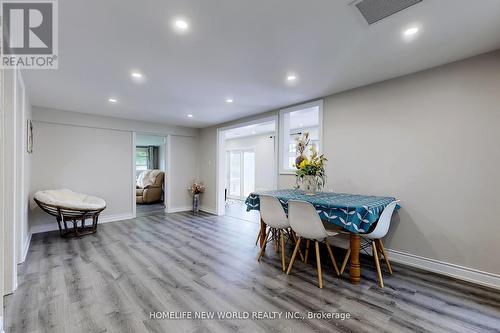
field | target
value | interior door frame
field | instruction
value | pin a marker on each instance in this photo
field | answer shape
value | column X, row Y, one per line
column 220, row 166
column 167, row 162
column 242, row 171
column 20, row 144
column 2, row 196
column 10, row 161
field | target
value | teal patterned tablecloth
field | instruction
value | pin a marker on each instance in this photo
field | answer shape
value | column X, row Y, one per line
column 354, row 213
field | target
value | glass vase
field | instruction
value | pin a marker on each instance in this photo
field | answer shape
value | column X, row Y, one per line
column 309, row 184
column 196, row 203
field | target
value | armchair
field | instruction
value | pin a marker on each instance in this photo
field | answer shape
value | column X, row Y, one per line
column 149, row 186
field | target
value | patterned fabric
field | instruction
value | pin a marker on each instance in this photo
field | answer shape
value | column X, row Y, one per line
column 354, row 213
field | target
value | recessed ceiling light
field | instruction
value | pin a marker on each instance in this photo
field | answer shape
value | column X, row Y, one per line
column 190, row 116
column 229, row 100
column 112, row 100
column 411, row 31
column 181, row 25
column 136, row 75
column 291, row 78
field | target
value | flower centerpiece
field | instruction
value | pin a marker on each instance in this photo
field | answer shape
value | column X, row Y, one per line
column 310, row 174
column 196, row 189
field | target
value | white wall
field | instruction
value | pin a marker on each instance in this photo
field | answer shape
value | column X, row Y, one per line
column 183, row 170
column 207, row 159
column 2, row 196
column 89, row 120
column 430, row 139
column 87, row 160
column 263, row 145
column 93, row 154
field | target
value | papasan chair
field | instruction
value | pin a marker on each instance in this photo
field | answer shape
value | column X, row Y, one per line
column 68, row 206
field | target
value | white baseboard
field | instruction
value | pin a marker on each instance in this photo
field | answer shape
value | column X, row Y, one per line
column 463, row 273
column 208, row 210
column 104, row 219
column 26, row 246
column 179, row 209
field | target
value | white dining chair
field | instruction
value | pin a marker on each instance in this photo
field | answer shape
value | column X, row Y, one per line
column 307, row 224
column 374, row 239
column 273, row 214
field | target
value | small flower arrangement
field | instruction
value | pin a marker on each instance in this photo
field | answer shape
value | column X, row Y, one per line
column 301, row 144
column 197, row 188
column 312, row 168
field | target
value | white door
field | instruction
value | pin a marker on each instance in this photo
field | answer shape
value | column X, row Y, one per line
column 240, row 173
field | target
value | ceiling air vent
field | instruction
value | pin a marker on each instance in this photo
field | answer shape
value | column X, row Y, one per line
column 376, row 10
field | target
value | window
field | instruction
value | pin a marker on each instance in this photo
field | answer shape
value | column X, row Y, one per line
column 294, row 122
column 141, row 158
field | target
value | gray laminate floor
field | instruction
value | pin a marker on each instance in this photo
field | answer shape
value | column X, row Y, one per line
column 112, row 281
column 238, row 209
column 149, row 209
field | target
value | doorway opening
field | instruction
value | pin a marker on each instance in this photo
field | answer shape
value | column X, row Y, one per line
column 240, row 170
column 247, row 162
column 150, row 174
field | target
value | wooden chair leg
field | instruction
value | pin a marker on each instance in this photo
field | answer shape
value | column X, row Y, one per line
column 386, row 258
column 282, row 237
column 261, row 252
column 258, row 237
column 330, row 252
column 318, row 264
column 346, row 259
column 307, row 251
column 295, row 239
column 276, row 240
column 377, row 264
column 293, row 256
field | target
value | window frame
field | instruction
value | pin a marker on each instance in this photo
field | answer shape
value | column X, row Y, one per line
column 147, row 157
column 281, row 149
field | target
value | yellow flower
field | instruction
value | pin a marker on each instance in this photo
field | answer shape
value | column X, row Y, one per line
column 303, row 164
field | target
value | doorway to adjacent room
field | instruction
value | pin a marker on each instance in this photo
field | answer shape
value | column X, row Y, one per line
column 150, row 173
column 247, row 163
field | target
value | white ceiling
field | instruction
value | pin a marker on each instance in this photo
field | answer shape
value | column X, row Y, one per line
column 304, row 118
column 243, row 50
column 268, row 127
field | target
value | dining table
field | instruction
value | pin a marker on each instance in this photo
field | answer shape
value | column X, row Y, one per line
column 352, row 213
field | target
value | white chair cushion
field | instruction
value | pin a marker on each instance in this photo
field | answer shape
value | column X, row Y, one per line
column 330, row 233
column 70, row 200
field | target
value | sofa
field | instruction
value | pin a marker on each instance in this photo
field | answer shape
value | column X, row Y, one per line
column 149, row 186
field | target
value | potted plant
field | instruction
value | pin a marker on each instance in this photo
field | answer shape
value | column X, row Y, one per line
column 310, row 174
column 196, row 188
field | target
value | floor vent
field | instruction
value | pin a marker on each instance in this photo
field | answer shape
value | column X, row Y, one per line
column 376, row 10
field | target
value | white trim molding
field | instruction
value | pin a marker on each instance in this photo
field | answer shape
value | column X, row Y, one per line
column 1, row 324
column 282, row 135
column 463, row 273
column 26, row 246
column 104, row 219
column 179, row 209
column 208, row 210
column 220, row 153
column 134, row 176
